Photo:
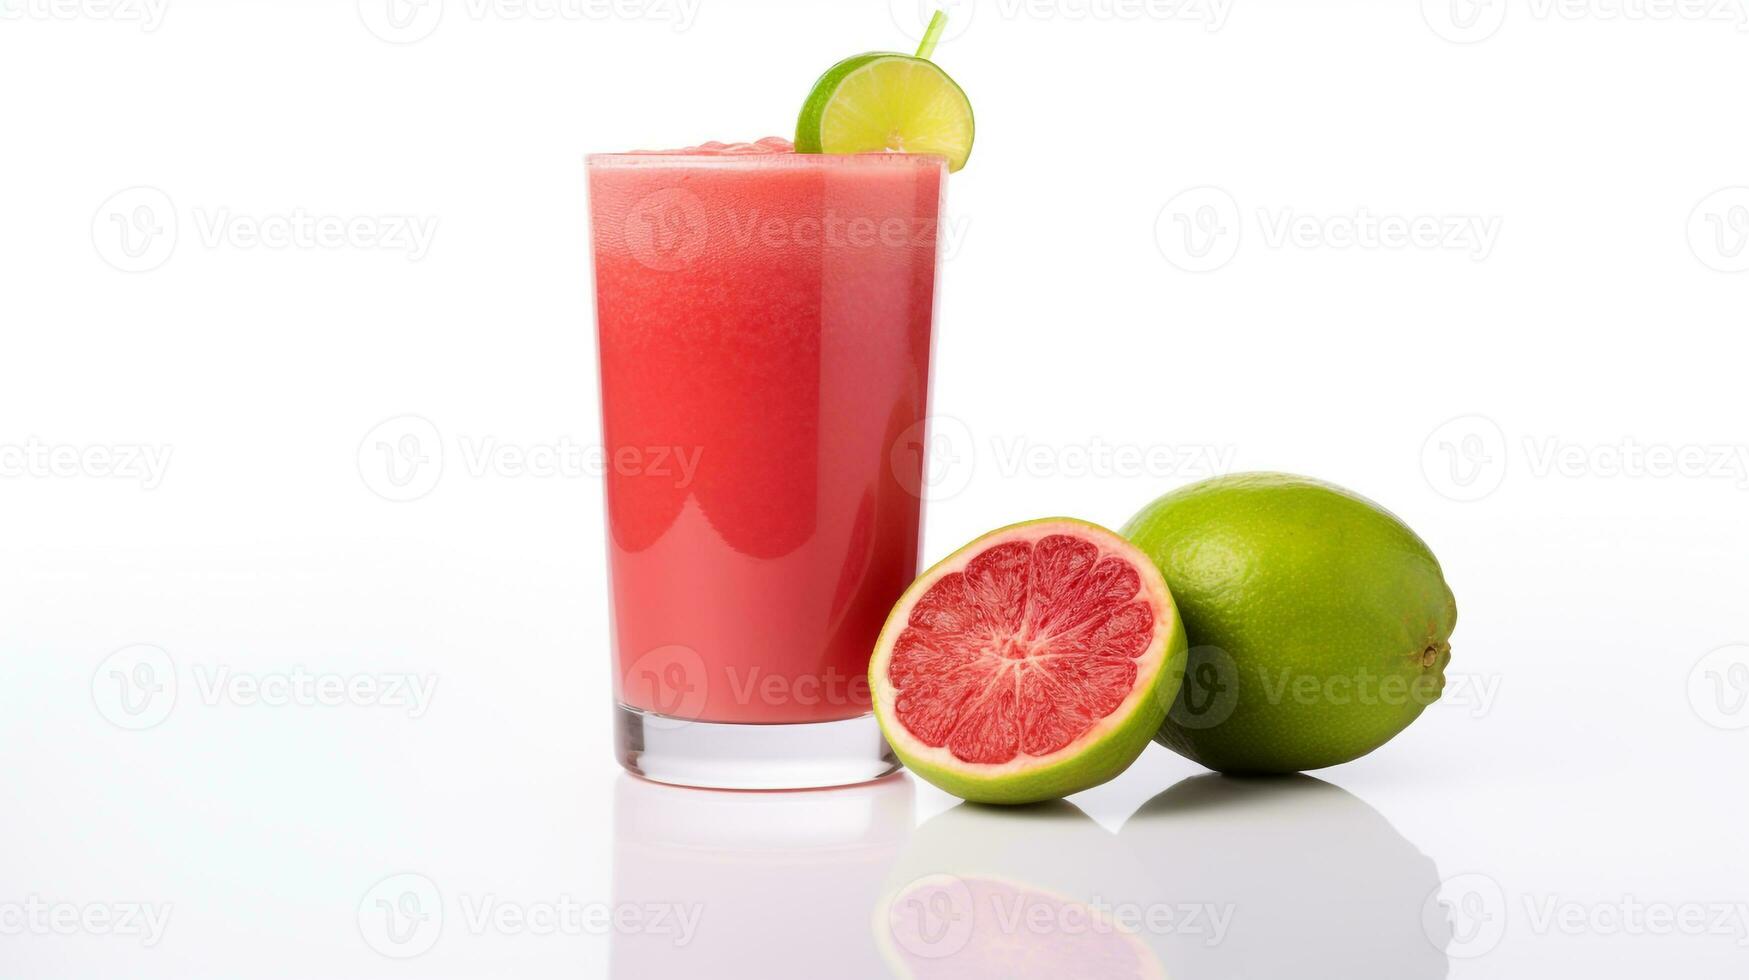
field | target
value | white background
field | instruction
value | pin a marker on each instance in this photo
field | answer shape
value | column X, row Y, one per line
column 1588, row 501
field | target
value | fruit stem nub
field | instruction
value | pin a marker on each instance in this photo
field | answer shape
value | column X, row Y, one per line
column 932, row 34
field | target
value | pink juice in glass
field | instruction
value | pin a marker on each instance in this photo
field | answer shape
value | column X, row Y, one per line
column 764, row 320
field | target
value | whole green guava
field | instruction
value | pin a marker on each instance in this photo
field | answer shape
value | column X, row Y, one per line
column 1319, row 623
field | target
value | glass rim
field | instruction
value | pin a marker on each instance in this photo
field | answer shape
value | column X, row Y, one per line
column 754, row 160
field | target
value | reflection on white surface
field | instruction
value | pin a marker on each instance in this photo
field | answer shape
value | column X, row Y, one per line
column 1213, row 878
column 1311, row 881
column 759, row 884
column 1012, row 893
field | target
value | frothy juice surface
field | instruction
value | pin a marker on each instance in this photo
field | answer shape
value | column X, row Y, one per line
column 764, row 320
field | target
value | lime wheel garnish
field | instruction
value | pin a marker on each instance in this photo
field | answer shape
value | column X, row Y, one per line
column 884, row 102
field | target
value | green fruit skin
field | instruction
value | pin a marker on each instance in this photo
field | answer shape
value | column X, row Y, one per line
column 1334, row 618
column 808, row 123
column 1099, row 763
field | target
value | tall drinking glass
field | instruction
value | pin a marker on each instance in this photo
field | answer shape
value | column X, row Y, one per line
column 764, row 320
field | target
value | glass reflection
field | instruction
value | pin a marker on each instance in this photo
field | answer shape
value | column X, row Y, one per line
column 1311, row 881
column 758, row 885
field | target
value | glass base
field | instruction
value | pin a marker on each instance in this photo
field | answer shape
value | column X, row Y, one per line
column 729, row 756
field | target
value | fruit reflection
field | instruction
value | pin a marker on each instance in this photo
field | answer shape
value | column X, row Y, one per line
column 1312, row 881
column 1014, row 893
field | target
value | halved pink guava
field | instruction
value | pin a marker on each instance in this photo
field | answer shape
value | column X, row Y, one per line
column 1035, row 662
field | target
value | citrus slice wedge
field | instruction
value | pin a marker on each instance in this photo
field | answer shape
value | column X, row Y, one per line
column 885, row 102
column 1033, row 663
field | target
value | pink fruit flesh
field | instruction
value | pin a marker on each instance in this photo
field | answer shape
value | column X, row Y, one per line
column 1023, row 651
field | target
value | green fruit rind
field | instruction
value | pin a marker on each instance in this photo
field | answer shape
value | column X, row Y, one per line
column 1100, row 753
column 1320, row 624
